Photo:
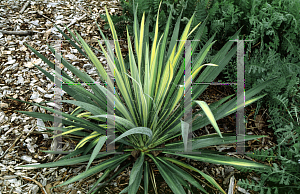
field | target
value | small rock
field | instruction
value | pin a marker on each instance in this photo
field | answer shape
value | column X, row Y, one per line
column 34, row 189
column 10, row 62
column 38, row 100
column 36, row 61
column 28, row 64
column 48, row 95
column 35, row 95
column 2, row 118
column 20, row 80
column 3, row 105
column 41, row 89
column 26, row 158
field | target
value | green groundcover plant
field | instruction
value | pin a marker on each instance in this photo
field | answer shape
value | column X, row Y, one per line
column 285, row 177
column 146, row 116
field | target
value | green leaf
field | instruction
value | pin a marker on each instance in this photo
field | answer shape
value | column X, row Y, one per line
column 206, row 141
column 223, row 160
column 169, row 177
column 74, row 153
column 125, row 190
column 107, row 172
column 146, row 177
column 69, row 39
column 210, row 116
column 78, row 133
column 122, row 80
column 208, row 178
column 95, row 61
column 91, row 126
column 47, row 117
column 120, row 120
column 91, row 145
column 68, row 161
column 103, row 176
column 84, row 77
column 98, row 168
column 137, row 130
column 101, row 141
column 83, row 123
column 183, row 174
column 136, row 174
column 64, row 74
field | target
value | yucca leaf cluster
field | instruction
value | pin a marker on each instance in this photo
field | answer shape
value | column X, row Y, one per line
column 146, row 108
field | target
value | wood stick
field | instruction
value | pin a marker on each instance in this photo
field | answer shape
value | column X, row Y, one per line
column 12, row 145
column 36, row 182
column 78, row 19
column 26, row 32
column 24, row 7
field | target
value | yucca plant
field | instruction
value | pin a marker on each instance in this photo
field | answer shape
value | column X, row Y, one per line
column 147, row 116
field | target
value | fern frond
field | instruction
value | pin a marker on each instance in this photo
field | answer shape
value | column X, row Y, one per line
column 284, row 134
column 200, row 14
column 283, row 100
column 155, row 5
column 217, row 25
column 256, row 68
column 295, row 112
column 253, row 186
column 262, row 155
column 291, row 84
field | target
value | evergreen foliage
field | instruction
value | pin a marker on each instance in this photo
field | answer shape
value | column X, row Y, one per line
column 273, row 25
column 286, row 177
